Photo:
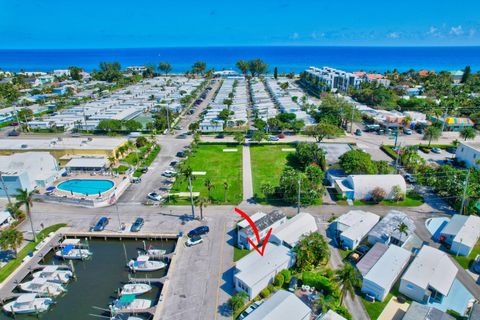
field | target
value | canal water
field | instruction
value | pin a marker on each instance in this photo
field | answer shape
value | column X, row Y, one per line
column 98, row 280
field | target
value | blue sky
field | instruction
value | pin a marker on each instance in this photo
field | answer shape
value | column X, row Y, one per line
column 159, row 23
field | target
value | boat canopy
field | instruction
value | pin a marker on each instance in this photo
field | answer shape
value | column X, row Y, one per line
column 26, row 298
column 39, row 281
column 66, row 250
column 143, row 258
column 127, row 298
column 67, row 242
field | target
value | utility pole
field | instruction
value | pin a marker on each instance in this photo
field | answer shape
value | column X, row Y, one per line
column 5, row 188
column 396, row 138
column 298, row 199
column 467, row 178
column 397, row 160
column 191, row 195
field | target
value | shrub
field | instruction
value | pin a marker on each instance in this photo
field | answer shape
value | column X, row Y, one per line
column 271, row 288
column 278, row 280
column 341, row 310
column 265, row 293
column 315, row 279
column 287, row 275
column 378, row 194
column 238, row 301
column 398, row 194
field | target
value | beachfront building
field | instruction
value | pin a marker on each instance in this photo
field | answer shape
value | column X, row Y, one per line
column 361, row 186
column 380, row 279
column 387, row 230
column 453, row 123
column 254, row 272
column 333, row 79
column 429, row 276
column 290, row 232
column 372, row 77
column 28, row 170
column 282, row 305
column 469, row 153
column 263, row 105
column 461, row 234
column 263, row 222
column 351, row 228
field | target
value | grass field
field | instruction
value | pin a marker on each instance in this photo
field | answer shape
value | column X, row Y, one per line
column 465, row 262
column 268, row 162
column 239, row 253
column 219, row 167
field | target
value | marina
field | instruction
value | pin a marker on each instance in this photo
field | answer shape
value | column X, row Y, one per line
column 100, row 285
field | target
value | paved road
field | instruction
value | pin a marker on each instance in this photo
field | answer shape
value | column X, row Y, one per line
column 247, row 175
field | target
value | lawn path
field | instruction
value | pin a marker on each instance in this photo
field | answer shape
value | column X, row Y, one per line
column 247, row 174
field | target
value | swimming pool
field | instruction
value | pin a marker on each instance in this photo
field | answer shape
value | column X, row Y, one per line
column 86, row 186
column 436, row 225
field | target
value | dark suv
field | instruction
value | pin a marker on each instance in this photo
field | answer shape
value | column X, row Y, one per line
column 198, row 231
column 101, row 224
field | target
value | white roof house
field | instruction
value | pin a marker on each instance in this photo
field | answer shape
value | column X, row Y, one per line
column 461, row 233
column 87, row 164
column 469, row 152
column 353, row 226
column 283, row 305
column 431, row 272
column 28, row 170
column 382, row 276
column 291, row 231
column 386, row 231
column 263, row 222
column 254, row 272
column 331, row 315
column 360, row 186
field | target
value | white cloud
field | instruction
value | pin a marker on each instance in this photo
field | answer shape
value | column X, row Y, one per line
column 393, row 35
column 472, row 32
column 456, row 31
column 316, row 35
column 433, row 31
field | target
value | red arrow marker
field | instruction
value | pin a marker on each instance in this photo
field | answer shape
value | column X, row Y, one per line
column 260, row 250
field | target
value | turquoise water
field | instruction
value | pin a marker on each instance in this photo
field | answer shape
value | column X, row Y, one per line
column 86, row 186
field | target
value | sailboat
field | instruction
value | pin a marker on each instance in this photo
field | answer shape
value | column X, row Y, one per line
column 143, row 263
column 42, row 286
column 28, row 303
column 54, row 274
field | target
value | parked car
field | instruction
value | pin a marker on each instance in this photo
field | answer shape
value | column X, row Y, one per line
column 154, row 196
column 144, row 169
column 380, row 132
column 408, row 132
column 436, row 150
column 137, row 225
column 198, row 231
column 182, row 136
column 194, row 240
column 101, row 224
column 452, row 150
column 136, row 180
column 220, row 136
column 177, row 128
column 358, row 132
column 476, row 265
column 173, row 164
column 419, row 131
column 181, row 154
column 14, row 133
column 273, row 138
column 281, row 136
column 169, row 173
column 293, row 284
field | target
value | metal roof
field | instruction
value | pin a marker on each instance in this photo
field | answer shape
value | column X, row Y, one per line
column 265, row 221
column 371, row 258
column 388, row 225
column 283, row 305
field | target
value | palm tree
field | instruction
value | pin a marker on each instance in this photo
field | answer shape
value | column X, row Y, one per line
column 348, row 278
column 187, row 172
column 225, row 188
column 468, row 133
column 432, row 133
column 202, row 202
column 402, row 228
column 209, row 185
column 24, row 198
column 11, row 238
column 14, row 210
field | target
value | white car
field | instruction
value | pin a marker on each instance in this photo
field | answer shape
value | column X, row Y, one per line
column 169, row 173
column 154, row 196
column 194, row 240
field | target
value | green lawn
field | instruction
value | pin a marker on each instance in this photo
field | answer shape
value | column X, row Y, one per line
column 268, row 162
column 219, row 167
column 374, row 309
column 466, row 261
column 408, row 202
column 13, row 264
column 239, row 253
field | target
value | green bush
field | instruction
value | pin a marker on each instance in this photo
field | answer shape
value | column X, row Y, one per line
column 389, row 151
column 287, row 275
column 121, row 169
column 238, row 301
column 341, row 310
column 278, row 280
column 314, row 279
column 271, row 288
column 265, row 293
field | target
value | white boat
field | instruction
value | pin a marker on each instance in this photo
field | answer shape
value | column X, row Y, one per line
column 156, row 253
column 143, row 263
column 135, row 288
column 73, row 249
column 42, row 286
column 54, row 274
column 125, row 317
column 129, row 302
column 28, row 303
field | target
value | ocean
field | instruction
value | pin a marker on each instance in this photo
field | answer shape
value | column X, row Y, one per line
column 287, row 59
